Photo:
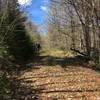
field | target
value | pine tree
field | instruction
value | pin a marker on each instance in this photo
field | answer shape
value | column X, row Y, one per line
column 17, row 40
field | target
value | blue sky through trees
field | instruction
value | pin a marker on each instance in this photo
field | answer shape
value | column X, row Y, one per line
column 36, row 10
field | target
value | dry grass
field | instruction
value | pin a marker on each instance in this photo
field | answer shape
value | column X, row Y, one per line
column 57, row 53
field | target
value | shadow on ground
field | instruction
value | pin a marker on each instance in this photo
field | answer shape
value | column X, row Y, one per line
column 22, row 91
column 25, row 91
column 64, row 62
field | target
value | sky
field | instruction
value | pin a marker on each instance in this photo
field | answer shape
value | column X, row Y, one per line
column 36, row 10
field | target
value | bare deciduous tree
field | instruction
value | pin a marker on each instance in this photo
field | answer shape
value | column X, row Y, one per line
column 78, row 20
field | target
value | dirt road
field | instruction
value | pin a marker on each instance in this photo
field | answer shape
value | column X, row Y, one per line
column 54, row 82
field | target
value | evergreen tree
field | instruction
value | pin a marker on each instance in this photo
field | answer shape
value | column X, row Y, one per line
column 17, row 39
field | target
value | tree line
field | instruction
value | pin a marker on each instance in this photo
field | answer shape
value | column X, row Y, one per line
column 15, row 31
column 18, row 38
column 75, row 25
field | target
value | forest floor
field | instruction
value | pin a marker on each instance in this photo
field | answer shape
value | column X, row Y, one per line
column 58, row 78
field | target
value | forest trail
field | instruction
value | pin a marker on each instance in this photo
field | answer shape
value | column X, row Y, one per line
column 53, row 81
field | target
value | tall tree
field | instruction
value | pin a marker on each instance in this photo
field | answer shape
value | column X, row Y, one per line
column 16, row 38
column 81, row 18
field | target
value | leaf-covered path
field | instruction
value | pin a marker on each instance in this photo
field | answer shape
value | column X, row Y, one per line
column 54, row 82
